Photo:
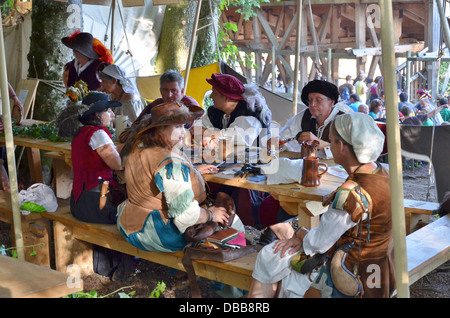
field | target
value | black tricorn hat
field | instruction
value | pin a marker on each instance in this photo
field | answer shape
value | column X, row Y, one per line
column 322, row 87
column 82, row 42
column 98, row 102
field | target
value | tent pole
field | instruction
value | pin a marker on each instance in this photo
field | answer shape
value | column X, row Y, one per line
column 192, row 45
column 17, row 222
column 393, row 139
column 113, row 13
column 444, row 22
column 297, row 56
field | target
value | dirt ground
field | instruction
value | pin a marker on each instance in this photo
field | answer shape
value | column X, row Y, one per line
column 146, row 275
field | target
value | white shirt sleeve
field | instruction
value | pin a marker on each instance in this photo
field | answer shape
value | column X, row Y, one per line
column 99, row 138
column 246, row 129
column 333, row 224
column 291, row 129
column 177, row 189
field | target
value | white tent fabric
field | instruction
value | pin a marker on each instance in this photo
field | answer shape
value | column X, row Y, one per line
column 141, row 27
column 141, row 24
column 17, row 45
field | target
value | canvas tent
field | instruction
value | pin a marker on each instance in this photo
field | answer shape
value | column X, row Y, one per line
column 133, row 26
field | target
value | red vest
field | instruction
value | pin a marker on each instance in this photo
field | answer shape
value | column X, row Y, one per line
column 87, row 164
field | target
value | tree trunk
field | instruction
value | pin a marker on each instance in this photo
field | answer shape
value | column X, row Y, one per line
column 206, row 48
column 176, row 35
column 51, row 21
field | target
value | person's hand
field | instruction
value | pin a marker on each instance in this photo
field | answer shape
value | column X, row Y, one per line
column 18, row 103
column 210, row 143
column 205, row 169
column 293, row 245
column 220, row 214
column 307, row 136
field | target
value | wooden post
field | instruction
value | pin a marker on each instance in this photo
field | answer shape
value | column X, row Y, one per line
column 10, row 150
column 297, row 56
column 393, row 138
column 193, row 42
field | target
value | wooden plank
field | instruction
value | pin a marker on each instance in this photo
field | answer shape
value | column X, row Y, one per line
column 420, row 207
column 428, row 248
column 62, row 175
column 25, row 280
column 26, row 92
column 67, row 228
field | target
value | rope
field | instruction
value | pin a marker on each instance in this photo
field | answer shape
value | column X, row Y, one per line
column 126, row 38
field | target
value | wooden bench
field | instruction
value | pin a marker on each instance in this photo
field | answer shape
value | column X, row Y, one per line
column 36, row 232
column 69, row 233
column 428, row 248
column 415, row 210
column 62, row 174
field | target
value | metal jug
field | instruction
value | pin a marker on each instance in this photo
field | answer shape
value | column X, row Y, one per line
column 309, row 148
column 310, row 172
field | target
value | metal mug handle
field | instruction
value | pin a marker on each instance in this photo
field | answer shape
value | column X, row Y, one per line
column 326, row 168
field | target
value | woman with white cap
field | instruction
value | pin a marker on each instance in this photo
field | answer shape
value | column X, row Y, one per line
column 359, row 213
column 120, row 88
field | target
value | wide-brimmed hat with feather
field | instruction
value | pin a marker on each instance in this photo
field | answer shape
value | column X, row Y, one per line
column 82, row 42
column 172, row 113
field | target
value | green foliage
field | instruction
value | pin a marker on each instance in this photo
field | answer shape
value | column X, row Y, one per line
column 39, row 131
column 246, row 7
column 7, row 6
column 161, row 287
column 158, row 290
column 13, row 250
column 228, row 51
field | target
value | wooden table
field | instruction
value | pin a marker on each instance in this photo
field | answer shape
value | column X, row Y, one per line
column 33, row 147
column 20, row 279
column 306, row 202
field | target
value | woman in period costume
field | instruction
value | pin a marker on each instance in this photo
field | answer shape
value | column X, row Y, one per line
column 359, row 213
column 120, row 88
column 94, row 160
column 166, row 194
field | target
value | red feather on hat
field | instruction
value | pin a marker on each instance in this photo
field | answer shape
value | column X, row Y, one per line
column 105, row 54
column 74, row 35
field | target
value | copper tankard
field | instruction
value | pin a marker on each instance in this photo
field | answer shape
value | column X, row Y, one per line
column 309, row 148
column 310, row 172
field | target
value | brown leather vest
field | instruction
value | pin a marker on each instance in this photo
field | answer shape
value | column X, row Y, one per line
column 141, row 167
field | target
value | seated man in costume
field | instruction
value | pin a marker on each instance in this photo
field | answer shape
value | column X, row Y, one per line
column 358, row 216
column 313, row 123
column 239, row 112
column 171, row 87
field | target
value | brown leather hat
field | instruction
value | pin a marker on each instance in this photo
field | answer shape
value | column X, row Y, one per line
column 172, row 113
column 82, row 42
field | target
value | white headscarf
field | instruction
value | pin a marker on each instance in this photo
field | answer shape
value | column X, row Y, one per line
column 361, row 131
column 118, row 73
